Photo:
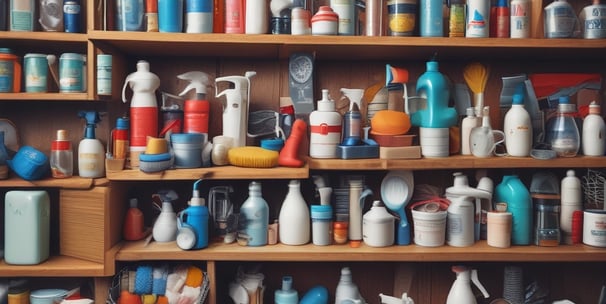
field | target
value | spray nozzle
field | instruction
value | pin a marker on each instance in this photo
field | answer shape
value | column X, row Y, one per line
column 92, row 118
column 198, row 81
column 354, row 96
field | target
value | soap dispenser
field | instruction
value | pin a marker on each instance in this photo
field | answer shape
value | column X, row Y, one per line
column 325, row 129
column 286, row 295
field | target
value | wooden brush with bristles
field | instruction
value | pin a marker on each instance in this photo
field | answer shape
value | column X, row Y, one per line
column 476, row 76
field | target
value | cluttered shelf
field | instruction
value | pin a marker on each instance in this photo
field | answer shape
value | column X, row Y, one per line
column 138, row 250
column 55, row 266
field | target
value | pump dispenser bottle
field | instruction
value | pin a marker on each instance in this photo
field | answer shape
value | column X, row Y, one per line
column 91, row 154
column 254, row 218
column 594, row 132
column 325, row 124
column 518, row 129
column 346, row 288
column 196, row 110
column 62, row 156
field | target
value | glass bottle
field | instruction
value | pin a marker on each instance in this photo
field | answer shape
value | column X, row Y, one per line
column 562, row 130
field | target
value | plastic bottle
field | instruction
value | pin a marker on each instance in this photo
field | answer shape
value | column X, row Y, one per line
column 195, row 111
column 517, row 127
column 143, row 108
column 62, row 156
column 502, row 19
column 165, row 227
column 460, row 291
column 120, row 140
column 352, row 120
column 436, row 114
column 571, row 200
column 431, row 18
column 134, row 222
column 256, row 20
column 286, row 295
column 91, row 154
column 478, row 19
column 346, row 288
column 512, row 192
column 170, row 16
column 235, row 107
column 199, row 16
column 234, row 17
column 347, row 16
column 325, row 129
column 519, row 19
column 254, row 217
column 196, row 216
column 562, row 132
column 294, row 218
column 129, row 15
column 594, row 132
column 469, row 122
column 594, row 18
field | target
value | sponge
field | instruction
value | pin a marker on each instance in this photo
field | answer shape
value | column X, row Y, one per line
column 252, row 157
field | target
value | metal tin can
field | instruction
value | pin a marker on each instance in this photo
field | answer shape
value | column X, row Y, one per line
column 71, row 72
column 71, row 16
column 595, row 21
column 104, row 74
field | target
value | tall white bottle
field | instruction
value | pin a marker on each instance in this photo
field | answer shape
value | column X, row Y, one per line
column 593, row 139
column 518, row 129
column 257, row 17
column 91, row 154
column 294, row 219
column 347, row 289
column 325, row 124
column 469, row 122
column 571, row 200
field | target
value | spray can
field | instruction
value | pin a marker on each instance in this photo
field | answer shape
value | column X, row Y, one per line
column 594, row 132
column 198, row 16
column 170, row 16
column 143, row 108
column 519, row 19
column 501, row 24
column 478, row 19
column 235, row 109
column 430, row 18
column 234, row 16
column 195, row 216
column 195, row 111
column 62, row 156
column 71, row 17
column 91, row 154
column 325, row 124
column 254, row 218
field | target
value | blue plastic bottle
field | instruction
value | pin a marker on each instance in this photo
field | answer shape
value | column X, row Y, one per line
column 254, row 218
column 170, row 16
column 514, row 193
column 430, row 18
column 196, row 216
column 436, row 114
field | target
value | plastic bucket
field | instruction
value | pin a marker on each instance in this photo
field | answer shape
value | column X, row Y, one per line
column 429, row 228
column 434, row 142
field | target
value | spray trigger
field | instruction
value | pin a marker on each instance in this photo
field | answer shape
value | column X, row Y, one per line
column 198, row 81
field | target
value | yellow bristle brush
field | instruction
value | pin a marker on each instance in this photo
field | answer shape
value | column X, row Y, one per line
column 252, row 157
column 476, row 76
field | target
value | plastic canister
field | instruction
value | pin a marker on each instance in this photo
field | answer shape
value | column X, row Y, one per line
column 22, row 13
column 35, row 67
column 595, row 21
column 498, row 229
column 26, row 227
column 10, row 72
column 560, row 20
column 72, row 73
column 196, row 216
column 378, row 228
column 188, row 149
column 321, row 224
column 429, row 223
column 104, row 74
column 170, row 16
column 594, row 227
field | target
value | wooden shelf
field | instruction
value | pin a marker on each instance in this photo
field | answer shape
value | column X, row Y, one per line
column 136, row 251
column 44, row 42
column 456, row 162
column 47, row 97
column 74, row 182
column 55, row 266
column 223, row 172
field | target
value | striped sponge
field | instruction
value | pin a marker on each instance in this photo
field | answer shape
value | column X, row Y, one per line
column 143, row 280
column 252, row 157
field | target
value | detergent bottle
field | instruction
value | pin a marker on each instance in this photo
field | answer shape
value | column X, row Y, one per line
column 347, row 288
column 435, row 118
column 516, row 197
column 461, row 292
column 196, row 216
column 325, row 124
column 91, row 154
column 352, row 120
column 235, row 108
column 518, row 129
column 254, row 218
column 593, row 137
column 196, row 110
column 143, row 108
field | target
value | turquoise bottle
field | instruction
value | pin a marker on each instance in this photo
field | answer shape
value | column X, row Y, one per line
column 254, row 218
column 514, row 194
column 436, row 114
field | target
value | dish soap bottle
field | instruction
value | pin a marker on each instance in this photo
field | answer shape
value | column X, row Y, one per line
column 294, row 218
column 594, row 132
column 196, row 216
column 254, row 218
column 518, row 129
column 91, row 154
column 562, row 130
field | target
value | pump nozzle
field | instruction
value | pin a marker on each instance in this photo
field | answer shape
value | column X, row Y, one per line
column 92, row 118
column 198, row 81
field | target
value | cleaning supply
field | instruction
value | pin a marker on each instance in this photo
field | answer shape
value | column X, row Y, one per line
column 502, row 19
column 345, row 9
column 325, row 129
column 170, row 16
column 594, row 18
column 456, row 24
column 10, row 72
column 346, row 288
column 294, row 218
column 196, row 216
column 594, row 132
column 476, row 76
column 461, row 291
column 196, row 110
column 252, row 157
column 560, row 20
column 467, row 124
column 562, row 132
column 120, row 138
column 286, row 295
column 289, row 155
column 352, row 120
column 235, row 107
column 571, row 200
column 484, row 139
column 517, row 127
column 519, row 19
column 61, row 156
column 91, row 154
column 256, row 19
column 514, row 195
column 143, row 108
column 198, row 16
column 357, row 196
column 134, row 223
column 151, row 16
column 171, row 113
column 478, row 19
column 431, row 18
column 165, row 226
column 254, row 218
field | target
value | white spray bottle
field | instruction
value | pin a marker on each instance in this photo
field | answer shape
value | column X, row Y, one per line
column 461, row 292
column 235, row 109
column 91, row 154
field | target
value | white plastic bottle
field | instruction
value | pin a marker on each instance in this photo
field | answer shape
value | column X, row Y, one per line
column 478, row 19
column 257, row 16
column 593, row 139
column 294, row 218
column 518, row 129
column 91, row 154
column 469, row 122
column 571, row 200
column 347, row 289
column 325, row 124
column 347, row 19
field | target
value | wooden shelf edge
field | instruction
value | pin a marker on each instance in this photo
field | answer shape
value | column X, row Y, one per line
column 55, row 266
column 135, row 251
column 74, row 182
column 45, row 36
column 47, row 97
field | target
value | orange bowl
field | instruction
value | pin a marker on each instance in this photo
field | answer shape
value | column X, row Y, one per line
column 389, row 122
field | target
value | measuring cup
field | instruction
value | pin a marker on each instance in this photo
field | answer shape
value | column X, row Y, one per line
column 10, row 72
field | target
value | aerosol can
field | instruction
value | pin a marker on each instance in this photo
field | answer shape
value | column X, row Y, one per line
column 235, row 108
column 91, row 154
column 461, row 292
column 196, row 110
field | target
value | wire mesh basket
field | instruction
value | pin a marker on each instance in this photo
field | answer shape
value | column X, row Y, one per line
column 593, row 189
column 115, row 288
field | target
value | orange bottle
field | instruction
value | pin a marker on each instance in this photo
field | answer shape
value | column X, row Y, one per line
column 134, row 229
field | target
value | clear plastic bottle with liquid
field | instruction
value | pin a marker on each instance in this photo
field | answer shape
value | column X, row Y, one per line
column 562, row 130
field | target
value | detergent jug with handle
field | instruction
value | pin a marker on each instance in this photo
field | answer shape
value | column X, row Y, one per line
column 516, row 197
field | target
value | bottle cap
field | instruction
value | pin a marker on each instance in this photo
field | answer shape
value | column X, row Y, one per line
column 62, row 134
column 62, row 141
column 595, row 108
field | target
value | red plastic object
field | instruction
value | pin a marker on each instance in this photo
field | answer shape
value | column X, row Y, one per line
column 289, row 155
column 549, row 83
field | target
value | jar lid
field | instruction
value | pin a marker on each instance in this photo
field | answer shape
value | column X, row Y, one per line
column 321, row 211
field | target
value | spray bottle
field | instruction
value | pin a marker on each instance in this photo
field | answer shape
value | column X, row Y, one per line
column 196, row 110
column 352, row 120
column 194, row 217
column 461, row 292
column 143, row 108
column 235, row 109
column 91, row 154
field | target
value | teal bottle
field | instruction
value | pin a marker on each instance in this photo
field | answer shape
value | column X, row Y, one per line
column 436, row 114
column 253, row 221
column 512, row 192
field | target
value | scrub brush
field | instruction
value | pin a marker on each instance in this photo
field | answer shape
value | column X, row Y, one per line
column 476, row 76
column 252, row 157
